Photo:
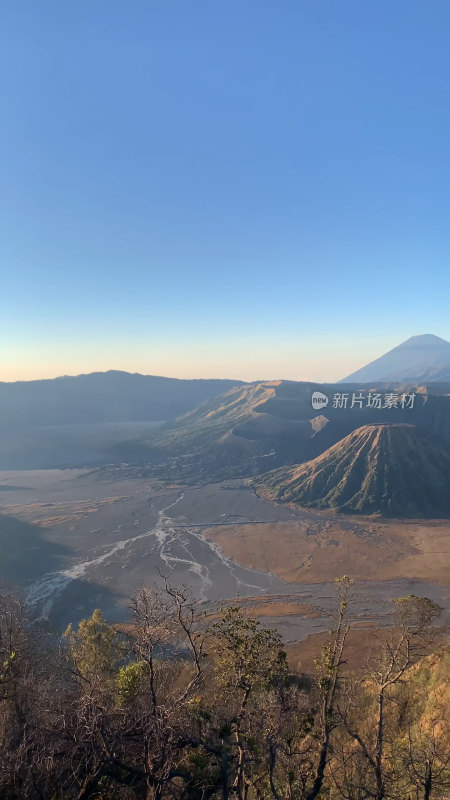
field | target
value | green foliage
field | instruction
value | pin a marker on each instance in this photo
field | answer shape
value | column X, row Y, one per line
column 94, row 647
column 130, row 679
column 414, row 613
column 247, row 655
column 6, row 666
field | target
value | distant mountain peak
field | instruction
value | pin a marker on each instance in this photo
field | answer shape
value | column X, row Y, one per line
column 420, row 358
column 424, row 339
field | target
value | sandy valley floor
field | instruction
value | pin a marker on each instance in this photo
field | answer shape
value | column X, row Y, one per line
column 73, row 541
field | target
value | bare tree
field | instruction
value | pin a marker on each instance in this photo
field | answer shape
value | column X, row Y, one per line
column 409, row 640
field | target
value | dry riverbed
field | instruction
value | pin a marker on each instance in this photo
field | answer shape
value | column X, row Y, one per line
column 74, row 540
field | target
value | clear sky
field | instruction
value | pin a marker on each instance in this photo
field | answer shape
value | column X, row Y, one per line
column 230, row 188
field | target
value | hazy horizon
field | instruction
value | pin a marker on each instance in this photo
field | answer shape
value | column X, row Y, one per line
column 322, row 370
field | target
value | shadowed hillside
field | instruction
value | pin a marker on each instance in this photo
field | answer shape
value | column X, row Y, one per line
column 102, row 397
column 74, row 420
column 394, row 470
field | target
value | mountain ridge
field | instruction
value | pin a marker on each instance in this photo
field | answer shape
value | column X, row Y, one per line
column 111, row 396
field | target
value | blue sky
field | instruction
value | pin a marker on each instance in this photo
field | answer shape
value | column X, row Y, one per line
column 246, row 189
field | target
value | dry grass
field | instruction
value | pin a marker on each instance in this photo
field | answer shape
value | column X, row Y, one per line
column 275, row 606
column 317, row 552
column 360, row 643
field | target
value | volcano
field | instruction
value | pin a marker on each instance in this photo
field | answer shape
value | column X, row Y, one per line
column 421, row 359
column 395, row 470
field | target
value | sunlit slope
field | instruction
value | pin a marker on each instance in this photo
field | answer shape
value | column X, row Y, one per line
column 234, row 435
column 217, row 417
column 394, row 470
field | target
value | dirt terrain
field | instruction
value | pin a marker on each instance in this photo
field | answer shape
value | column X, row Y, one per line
column 321, row 549
column 73, row 541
